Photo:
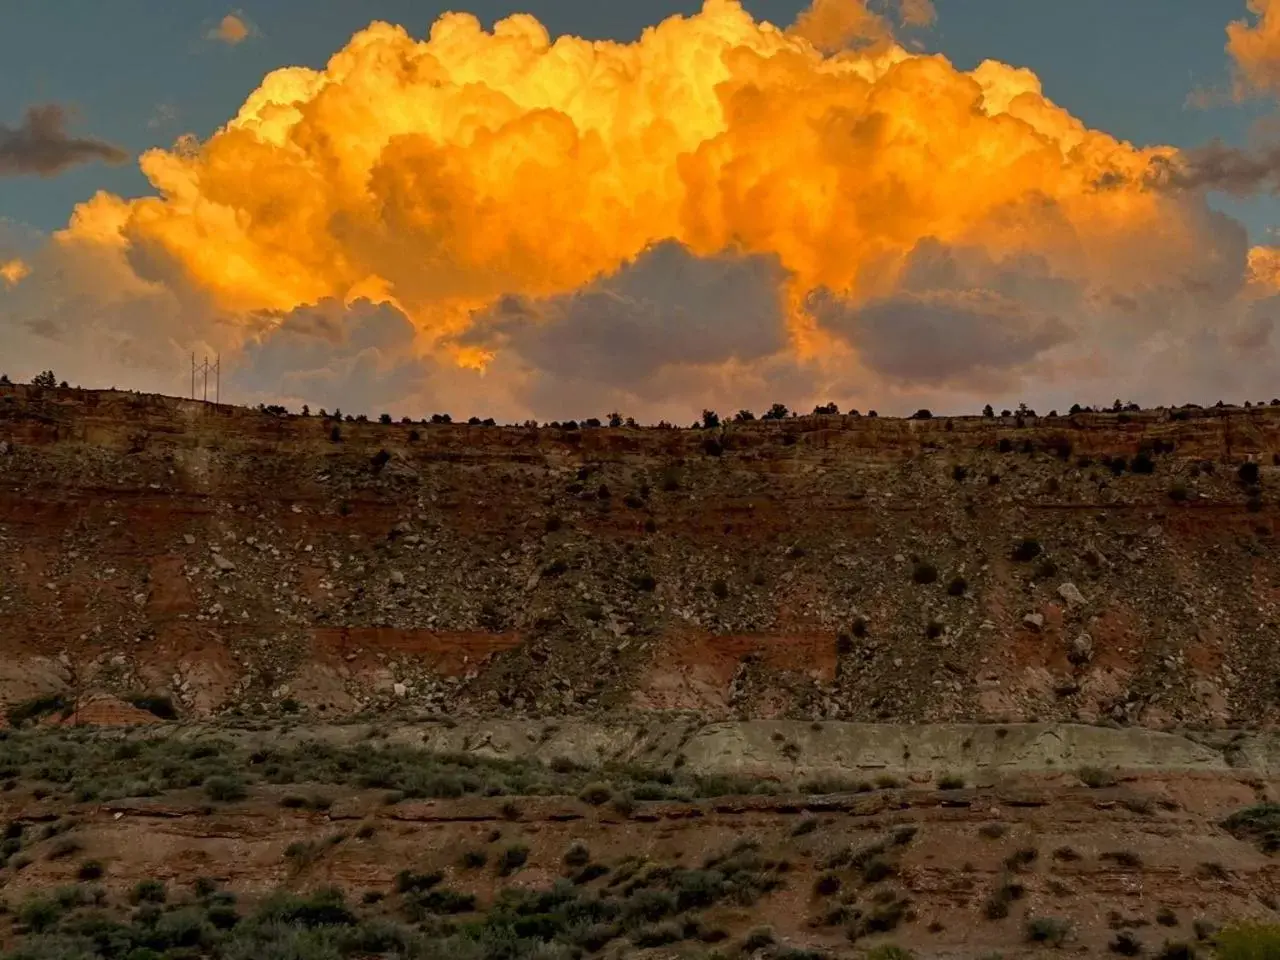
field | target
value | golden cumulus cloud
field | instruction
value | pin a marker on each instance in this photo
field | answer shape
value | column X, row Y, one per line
column 14, row 271
column 448, row 171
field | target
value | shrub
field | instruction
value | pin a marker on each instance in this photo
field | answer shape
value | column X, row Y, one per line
column 924, row 573
column 757, row 939
column 63, row 848
column 409, row 882
column 1259, row 824
column 1248, row 473
column 35, row 708
column 807, row 825
column 1021, row 858
column 827, row 884
column 596, row 794
column 224, row 789
column 1065, row 854
column 1026, row 551
column 1249, row 942
column 992, row 831
column 577, row 855
column 90, row 870
column 877, row 869
column 39, row 914
column 474, row 859
column 997, row 904
column 149, row 891
column 1050, row 930
column 903, row 835
column 957, row 587
column 157, row 705
column 512, row 859
column 1122, row 858
column 1176, row 951
column 889, row 951
column 951, row 781
column 657, row 935
column 1127, row 945
column 1095, row 777
column 1167, row 917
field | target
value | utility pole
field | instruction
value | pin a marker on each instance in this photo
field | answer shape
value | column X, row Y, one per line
column 205, row 368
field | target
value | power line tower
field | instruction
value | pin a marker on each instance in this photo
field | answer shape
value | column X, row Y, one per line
column 204, row 369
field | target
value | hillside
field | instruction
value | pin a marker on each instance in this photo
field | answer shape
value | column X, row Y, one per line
column 854, row 568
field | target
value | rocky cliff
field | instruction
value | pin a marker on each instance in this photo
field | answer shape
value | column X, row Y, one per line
column 1117, row 567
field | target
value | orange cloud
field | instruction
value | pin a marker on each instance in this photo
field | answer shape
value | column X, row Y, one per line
column 1255, row 48
column 14, row 271
column 232, row 29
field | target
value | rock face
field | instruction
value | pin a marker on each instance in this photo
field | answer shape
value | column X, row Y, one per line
column 238, row 561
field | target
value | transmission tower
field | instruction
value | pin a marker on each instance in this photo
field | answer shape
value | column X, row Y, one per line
column 204, row 369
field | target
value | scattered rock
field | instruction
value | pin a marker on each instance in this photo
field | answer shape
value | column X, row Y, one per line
column 1081, row 649
column 222, row 563
column 1033, row 622
column 1072, row 595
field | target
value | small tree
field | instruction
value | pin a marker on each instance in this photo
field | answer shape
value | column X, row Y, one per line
column 743, row 416
column 710, row 419
column 4, row 379
column 385, row 419
column 778, row 411
column 988, row 411
column 306, row 411
column 45, row 379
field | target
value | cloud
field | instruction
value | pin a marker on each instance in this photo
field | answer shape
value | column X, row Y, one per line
column 1254, row 47
column 233, row 29
column 14, row 271
column 666, row 308
column 955, row 322
column 40, row 145
column 1217, row 166
column 359, row 356
column 918, row 13
column 718, row 213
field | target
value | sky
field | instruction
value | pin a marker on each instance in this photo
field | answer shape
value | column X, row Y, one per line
column 719, row 212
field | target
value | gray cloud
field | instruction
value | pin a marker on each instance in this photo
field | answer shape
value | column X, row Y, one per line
column 1217, row 166
column 660, row 318
column 359, row 357
column 956, row 316
column 40, row 145
column 939, row 337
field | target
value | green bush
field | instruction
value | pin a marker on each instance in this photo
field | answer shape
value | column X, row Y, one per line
column 512, row 859
column 225, row 789
column 1251, row 941
column 1050, row 930
column 149, row 891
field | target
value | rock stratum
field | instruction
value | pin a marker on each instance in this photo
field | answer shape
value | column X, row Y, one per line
column 1101, row 567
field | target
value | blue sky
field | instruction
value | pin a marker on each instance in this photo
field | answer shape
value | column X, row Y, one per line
column 140, row 72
